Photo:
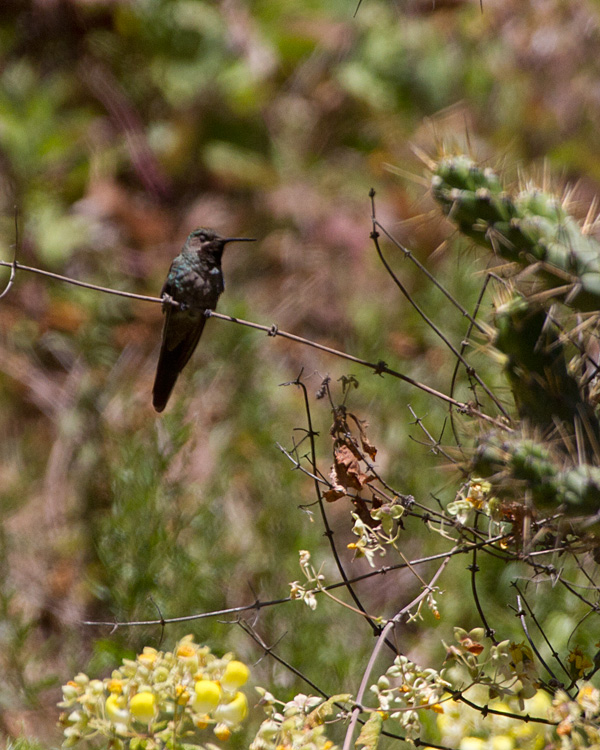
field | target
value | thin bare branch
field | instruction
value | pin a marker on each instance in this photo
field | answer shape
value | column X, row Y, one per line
column 378, row 646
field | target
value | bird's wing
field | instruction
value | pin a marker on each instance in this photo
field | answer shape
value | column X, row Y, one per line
column 180, row 338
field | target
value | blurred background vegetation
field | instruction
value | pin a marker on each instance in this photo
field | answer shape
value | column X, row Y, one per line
column 124, row 124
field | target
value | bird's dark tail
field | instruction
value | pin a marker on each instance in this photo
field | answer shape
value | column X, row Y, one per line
column 164, row 382
column 171, row 362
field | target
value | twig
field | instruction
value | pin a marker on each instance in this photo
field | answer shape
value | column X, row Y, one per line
column 469, row 368
column 544, row 636
column 474, row 568
column 485, row 710
column 375, row 653
column 520, row 613
column 249, row 630
column 328, row 531
column 85, row 284
column 430, row 276
column 434, row 444
column 472, row 318
column 258, row 605
column 380, row 368
column 13, row 265
column 270, row 652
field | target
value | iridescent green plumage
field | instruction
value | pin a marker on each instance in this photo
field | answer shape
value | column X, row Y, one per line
column 195, row 281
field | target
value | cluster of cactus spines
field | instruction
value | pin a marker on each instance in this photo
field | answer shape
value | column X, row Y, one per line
column 532, row 228
column 514, row 462
column 536, row 368
column 557, row 417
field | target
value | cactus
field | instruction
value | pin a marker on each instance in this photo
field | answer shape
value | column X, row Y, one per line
column 515, row 462
column 553, row 401
column 530, row 228
column 536, row 367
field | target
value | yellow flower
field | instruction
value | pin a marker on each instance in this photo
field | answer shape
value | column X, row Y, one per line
column 579, row 661
column 148, row 656
column 187, row 653
column 185, row 650
column 589, row 698
column 222, row 732
column 143, row 706
column 208, row 695
column 116, row 711
column 234, row 712
column 115, row 686
column 236, row 674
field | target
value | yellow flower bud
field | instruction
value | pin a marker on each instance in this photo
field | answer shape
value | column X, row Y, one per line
column 208, row 695
column 148, row 656
column 115, row 686
column 115, row 709
column 234, row 712
column 187, row 653
column 235, row 675
column 185, row 650
column 222, row 732
column 143, row 707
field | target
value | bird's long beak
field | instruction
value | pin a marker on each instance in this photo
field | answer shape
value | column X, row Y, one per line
column 240, row 239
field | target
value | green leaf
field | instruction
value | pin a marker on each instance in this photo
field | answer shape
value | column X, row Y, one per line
column 325, row 710
column 371, row 731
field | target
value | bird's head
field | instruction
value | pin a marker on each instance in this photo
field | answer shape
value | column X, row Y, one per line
column 205, row 240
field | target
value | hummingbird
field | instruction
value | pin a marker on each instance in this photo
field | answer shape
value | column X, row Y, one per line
column 195, row 281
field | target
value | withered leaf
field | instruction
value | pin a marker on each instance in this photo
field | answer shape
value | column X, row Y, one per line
column 368, row 447
column 347, row 468
column 333, row 494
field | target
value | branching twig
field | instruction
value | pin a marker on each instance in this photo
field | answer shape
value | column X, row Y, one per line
column 474, row 568
column 520, row 613
column 469, row 368
column 376, row 651
column 328, row 531
column 379, row 368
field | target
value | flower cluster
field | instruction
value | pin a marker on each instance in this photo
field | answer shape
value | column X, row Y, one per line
column 369, row 543
column 157, row 699
column 404, row 689
column 466, row 728
column 579, row 719
column 474, row 495
column 305, row 593
column 298, row 724
column 507, row 669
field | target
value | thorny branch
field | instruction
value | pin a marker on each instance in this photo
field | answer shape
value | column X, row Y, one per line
column 379, row 368
column 380, row 641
